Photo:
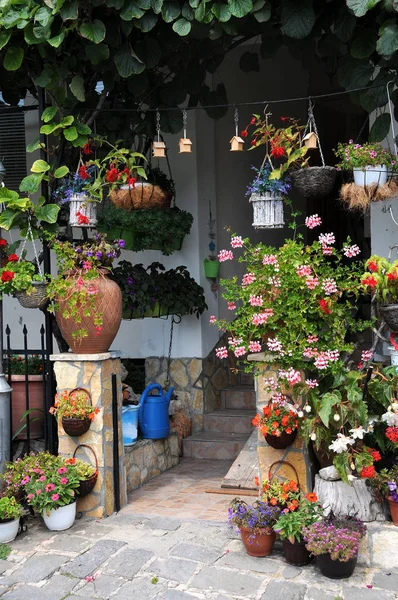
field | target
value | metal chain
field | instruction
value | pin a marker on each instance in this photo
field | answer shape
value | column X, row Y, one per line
column 184, row 122
column 167, row 382
column 158, row 124
column 236, row 119
column 312, row 124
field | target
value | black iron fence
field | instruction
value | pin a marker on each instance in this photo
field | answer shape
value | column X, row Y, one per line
column 30, row 374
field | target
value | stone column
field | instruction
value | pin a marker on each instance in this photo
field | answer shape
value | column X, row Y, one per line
column 297, row 454
column 93, row 372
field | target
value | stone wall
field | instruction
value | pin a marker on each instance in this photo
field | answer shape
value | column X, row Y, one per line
column 149, row 458
column 93, row 372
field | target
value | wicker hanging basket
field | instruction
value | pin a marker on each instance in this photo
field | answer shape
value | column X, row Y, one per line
column 390, row 315
column 80, row 206
column 36, row 299
column 267, row 211
column 72, row 425
column 314, row 182
column 87, row 485
column 142, row 195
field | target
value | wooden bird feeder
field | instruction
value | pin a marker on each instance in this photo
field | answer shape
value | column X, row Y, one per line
column 159, row 149
column 185, row 145
column 310, row 140
column 237, row 144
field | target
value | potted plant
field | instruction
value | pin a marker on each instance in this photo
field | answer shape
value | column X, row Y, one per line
column 75, row 411
column 10, row 512
column 370, row 162
column 18, row 473
column 52, row 492
column 7, row 252
column 86, row 473
column 19, row 278
column 284, row 494
column 211, row 267
column 385, row 484
column 381, row 280
column 267, row 196
column 16, row 368
column 278, row 423
column 150, row 229
column 290, row 527
column 71, row 191
column 334, row 541
column 86, row 302
column 255, row 524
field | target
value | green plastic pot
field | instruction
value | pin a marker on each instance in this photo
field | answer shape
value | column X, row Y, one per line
column 212, row 268
column 155, row 312
column 175, row 244
column 124, row 234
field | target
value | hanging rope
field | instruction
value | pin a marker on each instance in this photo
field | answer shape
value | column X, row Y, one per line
column 29, row 237
column 311, row 125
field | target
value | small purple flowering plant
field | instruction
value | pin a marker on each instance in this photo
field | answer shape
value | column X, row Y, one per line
column 262, row 183
column 258, row 518
column 337, row 536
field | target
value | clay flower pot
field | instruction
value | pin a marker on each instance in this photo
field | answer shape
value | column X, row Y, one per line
column 75, row 427
column 281, row 442
column 108, row 301
column 335, row 569
column 258, row 544
column 393, row 506
column 36, row 401
column 296, row 554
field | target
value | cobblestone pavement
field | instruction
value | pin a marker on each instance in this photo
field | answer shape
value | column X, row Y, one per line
column 132, row 557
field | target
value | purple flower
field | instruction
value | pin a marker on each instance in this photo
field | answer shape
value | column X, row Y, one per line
column 98, row 254
column 89, row 253
column 130, row 281
column 121, row 243
column 392, row 486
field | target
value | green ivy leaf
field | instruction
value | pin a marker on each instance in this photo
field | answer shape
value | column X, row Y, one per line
column 127, row 62
column 30, row 184
column 95, row 31
column 61, row 172
column 298, row 18
column 221, row 12
column 4, row 38
column 131, row 10
column 361, row 7
column 96, row 52
column 182, row 27
column 388, row 41
column 40, row 166
column 49, row 113
column 76, row 86
column 13, row 58
column 364, row 44
column 70, row 134
column 240, row 8
column 380, row 128
column 36, row 145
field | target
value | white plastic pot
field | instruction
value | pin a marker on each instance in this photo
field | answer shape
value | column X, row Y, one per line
column 370, row 175
column 80, row 203
column 8, row 531
column 267, row 211
column 59, row 519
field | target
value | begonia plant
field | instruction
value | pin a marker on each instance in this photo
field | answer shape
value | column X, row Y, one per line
column 17, row 276
column 381, row 279
column 276, row 418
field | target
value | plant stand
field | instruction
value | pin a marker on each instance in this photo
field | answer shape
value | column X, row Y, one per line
column 94, row 373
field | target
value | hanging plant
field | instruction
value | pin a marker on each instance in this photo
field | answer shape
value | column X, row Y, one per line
column 72, row 192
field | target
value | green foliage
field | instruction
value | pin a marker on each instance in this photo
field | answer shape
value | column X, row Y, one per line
column 290, row 524
column 381, row 279
column 17, row 364
column 9, row 509
column 359, row 156
column 5, row 550
column 18, row 277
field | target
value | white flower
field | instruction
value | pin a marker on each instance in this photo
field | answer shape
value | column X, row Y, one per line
column 341, row 443
column 336, row 417
column 358, row 432
column 390, row 418
column 352, row 466
column 307, row 408
column 300, row 414
column 394, row 406
column 313, row 437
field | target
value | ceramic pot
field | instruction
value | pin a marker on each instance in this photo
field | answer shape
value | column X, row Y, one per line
column 281, row 442
column 296, row 554
column 390, row 315
column 75, row 427
column 393, row 506
column 8, row 530
column 259, row 544
column 335, row 569
column 59, row 519
column 370, row 175
column 212, row 268
column 36, row 401
column 108, row 301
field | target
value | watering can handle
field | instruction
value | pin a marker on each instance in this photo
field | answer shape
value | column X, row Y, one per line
column 145, row 394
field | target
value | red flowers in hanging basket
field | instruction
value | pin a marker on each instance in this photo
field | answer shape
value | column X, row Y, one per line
column 7, row 276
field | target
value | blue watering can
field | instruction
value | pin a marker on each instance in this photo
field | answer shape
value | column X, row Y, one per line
column 153, row 414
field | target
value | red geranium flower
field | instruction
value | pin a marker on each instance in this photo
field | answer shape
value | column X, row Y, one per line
column 244, row 133
column 7, row 276
column 392, row 434
column 323, row 305
column 83, row 172
column 375, row 454
column 391, row 276
column 277, row 151
column 370, row 281
column 372, row 266
column 3, row 243
column 369, row 472
column 86, row 149
column 13, row 258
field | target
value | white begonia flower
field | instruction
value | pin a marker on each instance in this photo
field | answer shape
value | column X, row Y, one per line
column 313, row 437
column 300, row 414
column 336, row 417
column 390, row 418
column 394, row 406
column 341, row 443
column 358, row 432
column 307, row 408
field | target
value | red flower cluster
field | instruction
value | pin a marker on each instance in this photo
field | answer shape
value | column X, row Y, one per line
column 86, row 149
column 368, row 472
column 372, row 267
column 323, row 305
column 275, row 420
column 83, row 172
column 13, row 258
column 7, row 276
column 3, row 243
column 370, row 281
column 391, row 276
column 112, row 175
column 82, row 219
column 375, row 454
column 277, row 151
column 392, row 434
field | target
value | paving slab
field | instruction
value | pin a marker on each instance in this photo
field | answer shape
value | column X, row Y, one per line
column 237, row 583
column 128, row 562
column 364, row 593
column 202, row 554
column 174, row 569
column 314, row 593
column 175, row 595
column 104, row 586
column 35, row 569
column 165, row 523
column 86, row 563
column 284, row 590
column 140, row 589
column 388, row 580
column 244, row 562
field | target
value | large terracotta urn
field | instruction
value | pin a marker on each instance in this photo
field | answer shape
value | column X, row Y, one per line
column 108, row 301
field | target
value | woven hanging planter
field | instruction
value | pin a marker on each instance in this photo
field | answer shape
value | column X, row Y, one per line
column 314, row 182
column 80, row 203
column 390, row 315
column 87, row 485
column 142, row 195
column 267, row 211
column 75, row 427
column 358, row 197
column 36, row 299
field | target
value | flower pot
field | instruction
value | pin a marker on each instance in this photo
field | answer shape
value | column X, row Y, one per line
column 390, row 315
column 75, row 427
column 120, row 234
column 393, row 506
column 267, row 211
column 108, row 301
column 324, row 459
column 370, row 175
column 142, row 195
column 212, row 268
column 155, row 312
column 281, row 442
column 335, row 569
column 18, row 405
column 296, row 554
column 8, row 530
column 59, row 519
column 38, row 297
column 314, row 182
column 159, row 244
column 258, row 544
column 80, row 203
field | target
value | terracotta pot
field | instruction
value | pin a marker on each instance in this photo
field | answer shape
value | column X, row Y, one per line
column 393, row 506
column 335, row 569
column 259, row 544
column 75, row 427
column 108, row 302
column 296, row 554
column 18, row 403
column 281, row 442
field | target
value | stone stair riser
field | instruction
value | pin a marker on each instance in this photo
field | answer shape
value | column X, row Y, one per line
column 238, row 399
column 212, row 449
column 228, row 424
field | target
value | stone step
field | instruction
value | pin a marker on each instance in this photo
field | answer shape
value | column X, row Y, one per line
column 214, row 445
column 242, row 397
column 228, row 420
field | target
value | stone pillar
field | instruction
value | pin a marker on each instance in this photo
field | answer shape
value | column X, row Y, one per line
column 93, row 372
column 297, row 454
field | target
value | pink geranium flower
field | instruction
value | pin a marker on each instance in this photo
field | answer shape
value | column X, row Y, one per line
column 236, row 241
column 224, row 255
column 313, row 221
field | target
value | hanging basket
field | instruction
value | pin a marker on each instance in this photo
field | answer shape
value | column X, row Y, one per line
column 142, row 195
column 314, row 182
column 80, row 203
column 267, row 211
column 390, row 315
column 87, row 485
column 36, row 299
